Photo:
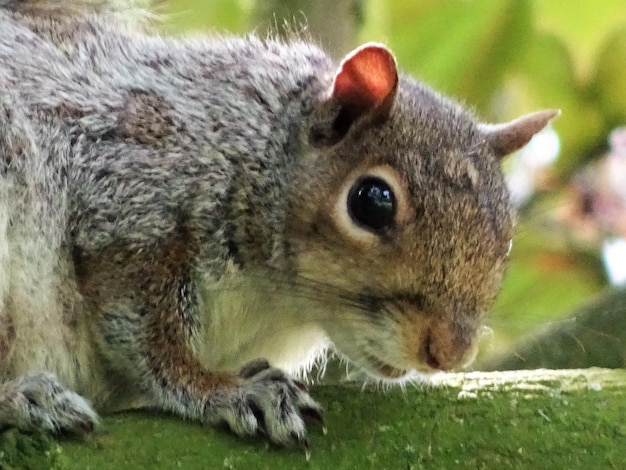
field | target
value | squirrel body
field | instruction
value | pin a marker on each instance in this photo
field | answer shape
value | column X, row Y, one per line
column 172, row 210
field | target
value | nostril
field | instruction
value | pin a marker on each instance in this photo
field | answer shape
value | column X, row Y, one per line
column 443, row 351
column 429, row 356
column 432, row 361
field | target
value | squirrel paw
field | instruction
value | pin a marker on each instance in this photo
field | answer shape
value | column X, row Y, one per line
column 270, row 402
column 38, row 402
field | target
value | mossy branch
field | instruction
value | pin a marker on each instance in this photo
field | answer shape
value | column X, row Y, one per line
column 530, row 419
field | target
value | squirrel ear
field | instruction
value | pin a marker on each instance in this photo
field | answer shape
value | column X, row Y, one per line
column 511, row 136
column 366, row 81
column 365, row 85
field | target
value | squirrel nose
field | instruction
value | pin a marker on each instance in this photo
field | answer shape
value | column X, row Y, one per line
column 446, row 348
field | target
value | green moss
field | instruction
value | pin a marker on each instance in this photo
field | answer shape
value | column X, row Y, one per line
column 30, row 451
column 571, row 420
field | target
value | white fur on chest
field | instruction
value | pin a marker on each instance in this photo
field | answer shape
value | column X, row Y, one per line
column 249, row 319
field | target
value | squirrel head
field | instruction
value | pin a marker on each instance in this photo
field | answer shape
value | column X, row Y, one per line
column 400, row 210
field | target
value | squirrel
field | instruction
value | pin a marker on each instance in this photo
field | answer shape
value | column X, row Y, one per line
column 176, row 214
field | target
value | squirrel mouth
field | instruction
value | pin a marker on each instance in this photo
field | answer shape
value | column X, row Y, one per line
column 384, row 369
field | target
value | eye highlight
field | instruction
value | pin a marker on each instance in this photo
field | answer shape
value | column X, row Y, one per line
column 372, row 204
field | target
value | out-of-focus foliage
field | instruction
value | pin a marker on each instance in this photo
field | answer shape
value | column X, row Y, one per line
column 504, row 58
column 509, row 56
column 220, row 16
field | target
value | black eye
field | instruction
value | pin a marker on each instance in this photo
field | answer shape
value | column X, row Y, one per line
column 372, row 204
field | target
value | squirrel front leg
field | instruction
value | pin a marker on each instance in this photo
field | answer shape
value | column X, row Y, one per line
column 153, row 345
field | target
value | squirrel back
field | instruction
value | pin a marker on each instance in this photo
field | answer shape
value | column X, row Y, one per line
column 194, row 204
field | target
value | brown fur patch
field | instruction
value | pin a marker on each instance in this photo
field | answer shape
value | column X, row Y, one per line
column 68, row 112
column 156, row 281
column 171, row 322
column 145, row 120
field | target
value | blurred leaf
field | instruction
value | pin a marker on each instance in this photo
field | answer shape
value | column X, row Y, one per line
column 582, row 28
column 462, row 48
column 337, row 37
column 610, row 81
column 545, row 280
column 593, row 336
column 546, row 71
column 221, row 16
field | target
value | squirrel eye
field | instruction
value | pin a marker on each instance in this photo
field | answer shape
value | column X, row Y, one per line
column 372, row 204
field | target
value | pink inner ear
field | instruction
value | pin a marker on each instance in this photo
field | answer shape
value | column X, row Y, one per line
column 366, row 77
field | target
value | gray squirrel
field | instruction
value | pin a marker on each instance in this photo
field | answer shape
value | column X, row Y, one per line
column 176, row 214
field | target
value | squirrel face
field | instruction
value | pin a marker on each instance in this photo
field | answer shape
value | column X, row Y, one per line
column 401, row 209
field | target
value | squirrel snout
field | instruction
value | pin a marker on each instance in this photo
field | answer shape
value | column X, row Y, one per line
column 433, row 341
column 445, row 348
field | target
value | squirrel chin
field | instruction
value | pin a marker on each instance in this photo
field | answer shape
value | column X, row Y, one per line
column 377, row 370
column 411, row 376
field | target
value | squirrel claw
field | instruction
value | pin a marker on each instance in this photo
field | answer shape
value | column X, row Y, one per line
column 253, row 368
column 38, row 401
column 304, row 443
column 314, row 415
column 301, row 385
column 267, row 402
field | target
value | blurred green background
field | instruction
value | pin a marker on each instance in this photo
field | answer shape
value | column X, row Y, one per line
column 503, row 58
